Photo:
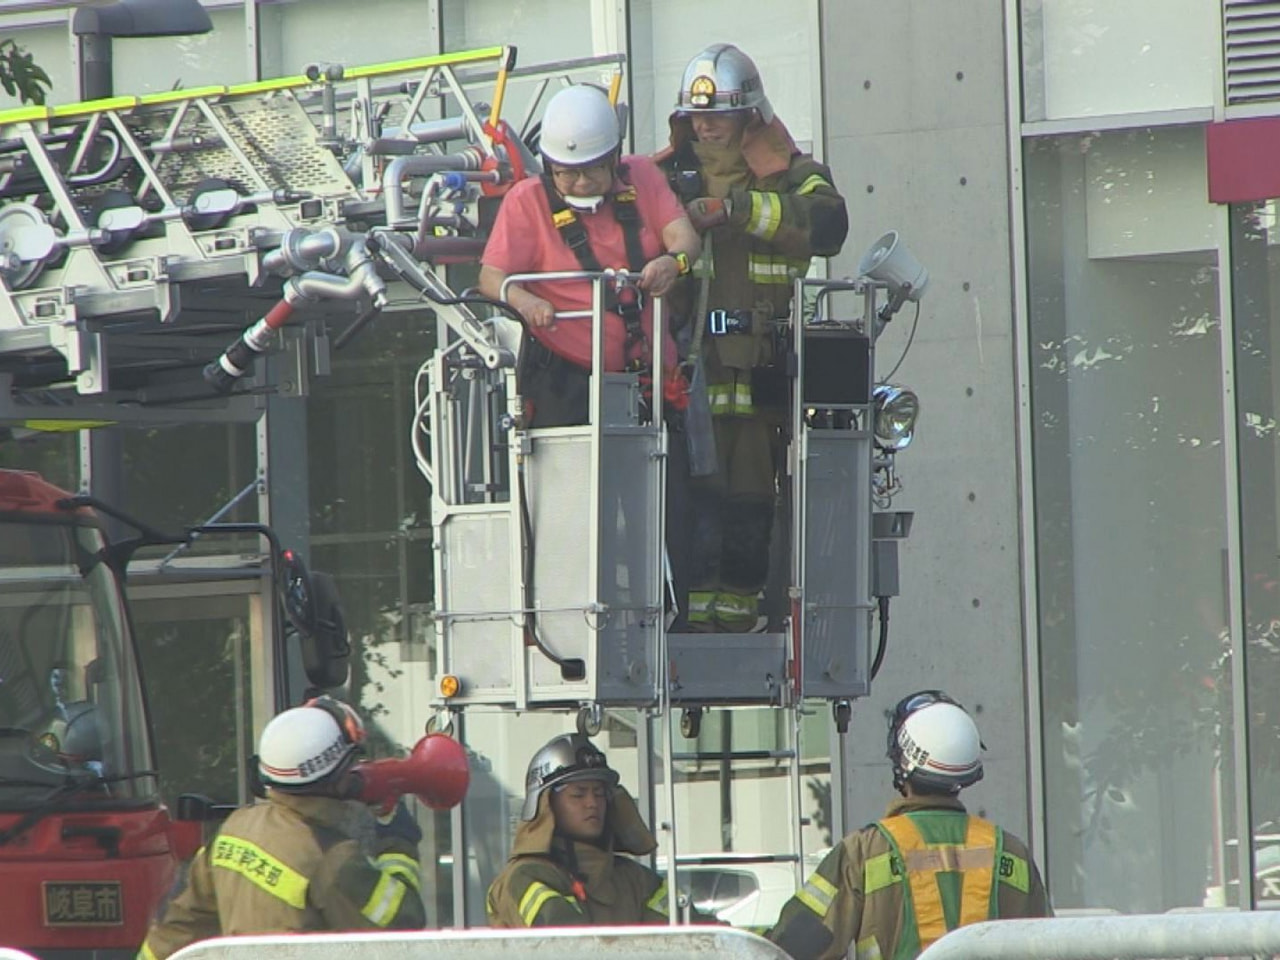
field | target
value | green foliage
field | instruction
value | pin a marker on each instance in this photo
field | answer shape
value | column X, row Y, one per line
column 20, row 75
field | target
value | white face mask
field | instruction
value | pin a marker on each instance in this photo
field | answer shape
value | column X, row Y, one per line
column 588, row 204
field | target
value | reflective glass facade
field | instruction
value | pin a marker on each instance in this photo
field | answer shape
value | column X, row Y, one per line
column 1130, row 518
column 1255, row 290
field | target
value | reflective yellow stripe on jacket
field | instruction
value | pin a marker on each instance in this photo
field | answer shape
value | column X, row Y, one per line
column 658, row 902
column 400, row 865
column 770, row 269
column 812, row 183
column 399, row 874
column 817, row 894
column 536, row 897
column 766, row 214
column 923, row 862
column 730, row 399
column 259, row 868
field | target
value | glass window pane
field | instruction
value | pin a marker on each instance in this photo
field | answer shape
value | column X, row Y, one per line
column 1130, row 520
column 1087, row 59
column 55, row 456
column 204, row 731
column 358, row 420
column 71, row 696
column 154, row 65
column 543, row 31
column 177, row 477
column 295, row 34
column 665, row 34
column 1255, row 266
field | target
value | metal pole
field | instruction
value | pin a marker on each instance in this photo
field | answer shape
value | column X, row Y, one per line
column 95, row 66
column 726, row 780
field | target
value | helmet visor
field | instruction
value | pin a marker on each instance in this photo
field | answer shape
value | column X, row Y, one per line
column 916, row 701
column 344, row 716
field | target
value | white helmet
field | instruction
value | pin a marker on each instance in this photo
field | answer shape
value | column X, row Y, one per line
column 580, row 125
column 934, row 744
column 307, row 745
column 722, row 78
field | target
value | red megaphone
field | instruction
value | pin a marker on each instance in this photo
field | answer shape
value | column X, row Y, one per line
column 435, row 771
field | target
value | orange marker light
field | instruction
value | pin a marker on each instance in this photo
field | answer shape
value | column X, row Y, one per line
column 449, row 685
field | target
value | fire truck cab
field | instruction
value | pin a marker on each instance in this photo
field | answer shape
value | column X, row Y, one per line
column 87, row 849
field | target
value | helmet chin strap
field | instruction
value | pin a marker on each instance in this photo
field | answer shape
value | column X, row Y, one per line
column 587, row 204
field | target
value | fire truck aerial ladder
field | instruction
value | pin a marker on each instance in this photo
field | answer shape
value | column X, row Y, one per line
column 152, row 249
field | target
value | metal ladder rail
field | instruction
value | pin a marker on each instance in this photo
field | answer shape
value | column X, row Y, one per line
column 185, row 121
column 791, row 753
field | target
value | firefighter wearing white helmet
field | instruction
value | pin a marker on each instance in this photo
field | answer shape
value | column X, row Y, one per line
column 579, row 126
column 764, row 210
column 891, row 889
column 593, row 209
column 309, row 856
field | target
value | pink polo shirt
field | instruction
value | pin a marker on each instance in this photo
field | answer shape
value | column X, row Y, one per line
column 524, row 240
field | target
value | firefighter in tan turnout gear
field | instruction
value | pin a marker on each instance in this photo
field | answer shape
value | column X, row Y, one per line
column 893, row 888
column 307, row 858
column 764, row 210
column 567, row 867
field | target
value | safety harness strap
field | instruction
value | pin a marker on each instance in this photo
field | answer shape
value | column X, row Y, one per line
column 626, row 303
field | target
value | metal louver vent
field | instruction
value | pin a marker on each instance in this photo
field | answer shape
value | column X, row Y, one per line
column 1251, row 32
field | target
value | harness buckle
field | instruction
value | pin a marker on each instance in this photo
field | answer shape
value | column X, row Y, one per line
column 723, row 322
column 628, row 300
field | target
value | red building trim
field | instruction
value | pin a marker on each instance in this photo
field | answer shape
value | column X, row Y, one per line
column 1244, row 160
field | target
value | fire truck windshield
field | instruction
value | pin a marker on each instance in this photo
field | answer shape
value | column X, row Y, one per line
column 72, row 723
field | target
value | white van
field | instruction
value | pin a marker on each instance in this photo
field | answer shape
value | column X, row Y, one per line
column 740, row 889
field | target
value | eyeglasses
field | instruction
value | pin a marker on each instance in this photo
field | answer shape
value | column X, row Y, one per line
column 568, row 176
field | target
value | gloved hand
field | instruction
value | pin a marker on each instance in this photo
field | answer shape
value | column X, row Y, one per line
column 707, row 212
column 399, row 824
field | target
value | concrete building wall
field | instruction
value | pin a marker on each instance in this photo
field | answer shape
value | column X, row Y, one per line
column 916, row 135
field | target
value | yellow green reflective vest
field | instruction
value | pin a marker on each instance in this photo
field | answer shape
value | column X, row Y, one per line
column 950, row 865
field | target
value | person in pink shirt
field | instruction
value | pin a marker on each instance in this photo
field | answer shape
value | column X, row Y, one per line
column 594, row 209
column 590, row 187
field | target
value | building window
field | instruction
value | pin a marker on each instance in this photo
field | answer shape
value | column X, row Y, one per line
column 1082, row 59
column 1255, row 279
column 1130, row 519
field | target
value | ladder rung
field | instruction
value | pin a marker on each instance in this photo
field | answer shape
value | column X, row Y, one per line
column 739, row 755
column 728, row 860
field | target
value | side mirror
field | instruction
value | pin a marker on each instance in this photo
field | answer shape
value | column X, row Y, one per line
column 197, row 808
column 314, row 610
column 326, row 653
